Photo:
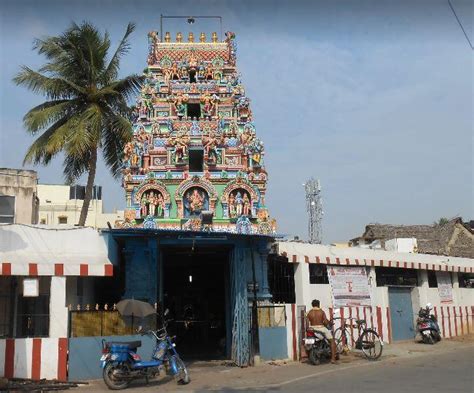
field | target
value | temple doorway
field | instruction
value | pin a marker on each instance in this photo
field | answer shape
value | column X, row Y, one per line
column 195, row 282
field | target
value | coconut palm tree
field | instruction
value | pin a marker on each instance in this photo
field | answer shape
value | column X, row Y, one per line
column 86, row 109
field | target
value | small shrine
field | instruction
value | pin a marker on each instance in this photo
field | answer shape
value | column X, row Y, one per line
column 195, row 161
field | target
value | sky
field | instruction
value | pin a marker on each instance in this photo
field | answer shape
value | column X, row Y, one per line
column 374, row 98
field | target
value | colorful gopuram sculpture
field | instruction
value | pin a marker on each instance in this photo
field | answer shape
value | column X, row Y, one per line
column 194, row 148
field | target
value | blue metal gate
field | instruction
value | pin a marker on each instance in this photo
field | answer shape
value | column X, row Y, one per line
column 401, row 313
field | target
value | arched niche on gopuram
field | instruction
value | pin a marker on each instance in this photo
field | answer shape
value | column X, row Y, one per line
column 239, row 199
column 195, row 195
column 153, row 199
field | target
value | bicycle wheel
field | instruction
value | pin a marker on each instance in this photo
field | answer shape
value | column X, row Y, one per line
column 341, row 339
column 371, row 344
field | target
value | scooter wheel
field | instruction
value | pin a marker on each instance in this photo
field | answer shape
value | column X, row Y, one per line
column 183, row 378
column 110, row 376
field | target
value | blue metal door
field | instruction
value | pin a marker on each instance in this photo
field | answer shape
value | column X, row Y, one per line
column 401, row 313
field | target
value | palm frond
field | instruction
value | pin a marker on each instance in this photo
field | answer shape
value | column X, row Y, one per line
column 49, row 143
column 53, row 88
column 111, row 72
column 47, row 113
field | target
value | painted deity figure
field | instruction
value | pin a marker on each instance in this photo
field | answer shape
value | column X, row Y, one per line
column 127, row 154
column 209, row 72
column 210, row 147
column 246, row 207
column 160, row 205
column 174, row 72
column 239, row 204
column 144, row 205
column 153, row 202
column 208, row 104
column 179, row 103
column 231, row 201
column 196, row 201
column 181, row 147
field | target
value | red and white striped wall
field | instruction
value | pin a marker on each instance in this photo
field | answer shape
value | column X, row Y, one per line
column 34, row 358
column 56, row 269
column 453, row 321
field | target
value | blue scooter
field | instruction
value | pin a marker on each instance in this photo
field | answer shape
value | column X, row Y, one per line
column 121, row 363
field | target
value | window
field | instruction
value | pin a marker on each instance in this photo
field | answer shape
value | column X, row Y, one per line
column 33, row 312
column 7, row 296
column 7, row 209
column 387, row 276
column 62, row 220
column 318, row 274
column 194, row 111
column 192, row 76
column 466, row 280
column 432, row 280
column 196, row 159
column 281, row 279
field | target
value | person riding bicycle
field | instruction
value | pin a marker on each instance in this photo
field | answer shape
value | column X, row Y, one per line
column 318, row 321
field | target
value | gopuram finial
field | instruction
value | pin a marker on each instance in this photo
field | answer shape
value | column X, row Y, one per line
column 202, row 37
column 179, row 37
column 191, row 37
column 167, row 37
column 214, row 37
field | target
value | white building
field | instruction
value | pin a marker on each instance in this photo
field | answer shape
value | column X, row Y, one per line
column 40, row 272
column 61, row 205
column 399, row 284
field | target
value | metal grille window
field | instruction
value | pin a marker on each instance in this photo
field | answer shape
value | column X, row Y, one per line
column 432, row 280
column 388, row 276
column 7, row 209
column 466, row 280
column 281, row 279
column 7, row 296
column 33, row 312
column 318, row 274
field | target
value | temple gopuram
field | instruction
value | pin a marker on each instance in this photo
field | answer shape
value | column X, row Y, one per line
column 195, row 161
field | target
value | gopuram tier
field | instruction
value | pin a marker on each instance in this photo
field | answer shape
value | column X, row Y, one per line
column 195, row 161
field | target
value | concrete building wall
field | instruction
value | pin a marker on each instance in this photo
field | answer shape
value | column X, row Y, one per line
column 22, row 184
column 55, row 208
column 455, row 319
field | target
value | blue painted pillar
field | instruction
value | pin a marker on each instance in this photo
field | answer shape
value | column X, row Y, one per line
column 262, row 253
column 141, row 256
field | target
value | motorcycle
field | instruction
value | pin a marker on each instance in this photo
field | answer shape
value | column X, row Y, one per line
column 317, row 346
column 427, row 326
column 121, row 364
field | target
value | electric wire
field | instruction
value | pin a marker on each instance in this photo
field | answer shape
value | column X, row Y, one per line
column 460, row 24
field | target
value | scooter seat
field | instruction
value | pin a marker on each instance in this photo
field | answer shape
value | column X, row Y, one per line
column 130, row 344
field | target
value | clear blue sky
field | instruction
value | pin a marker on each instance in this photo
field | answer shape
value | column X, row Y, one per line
column 372, row 97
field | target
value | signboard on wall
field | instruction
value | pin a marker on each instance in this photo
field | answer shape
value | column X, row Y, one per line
column 349, row 286
column 445, row 287
column 30, row 287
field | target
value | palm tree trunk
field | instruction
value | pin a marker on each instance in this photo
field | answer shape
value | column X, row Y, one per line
column 89, row 187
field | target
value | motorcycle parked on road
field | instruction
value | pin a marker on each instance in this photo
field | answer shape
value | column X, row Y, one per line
column 427, row 326
column 317, row 346
column 121, row 364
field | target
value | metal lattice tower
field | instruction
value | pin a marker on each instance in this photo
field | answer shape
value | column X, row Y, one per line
column 314, row 206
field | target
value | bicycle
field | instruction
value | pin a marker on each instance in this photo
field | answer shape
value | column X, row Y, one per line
column 369, row 341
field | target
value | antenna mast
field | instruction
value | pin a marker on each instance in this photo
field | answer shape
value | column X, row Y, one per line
column 314, row 206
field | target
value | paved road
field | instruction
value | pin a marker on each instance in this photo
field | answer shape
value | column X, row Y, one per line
column 447, row 371
column 450, row 372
